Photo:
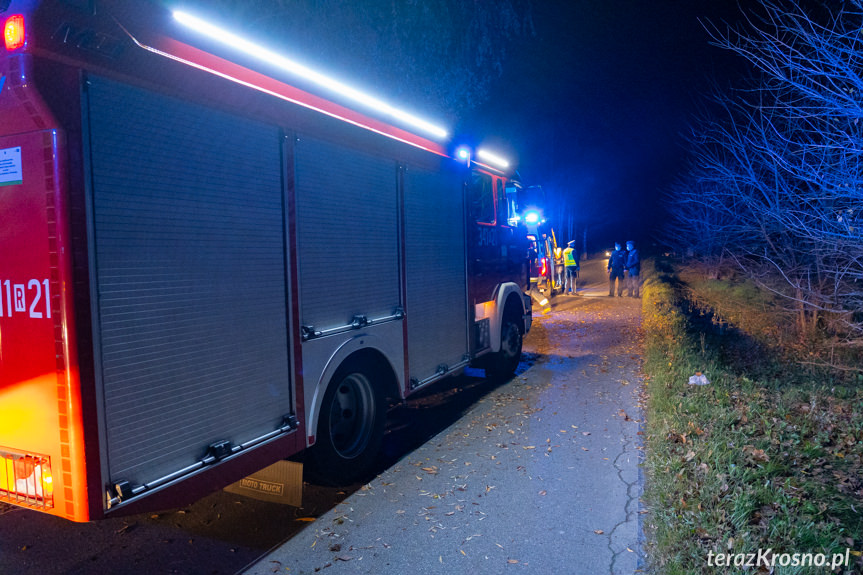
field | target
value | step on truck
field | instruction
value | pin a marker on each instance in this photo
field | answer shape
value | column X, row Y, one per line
column 205, row 269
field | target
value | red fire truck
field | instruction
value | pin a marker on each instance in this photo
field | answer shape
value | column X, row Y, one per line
column 205, row 270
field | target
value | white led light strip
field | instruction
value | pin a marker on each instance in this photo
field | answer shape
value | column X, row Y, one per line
column 270, row 57
column 491, row 158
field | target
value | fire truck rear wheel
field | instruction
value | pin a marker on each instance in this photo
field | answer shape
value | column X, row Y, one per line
column 350, row 426
column 504, row 363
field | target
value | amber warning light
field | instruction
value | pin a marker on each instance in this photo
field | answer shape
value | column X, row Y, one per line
column 25, row 479
column 13, row 32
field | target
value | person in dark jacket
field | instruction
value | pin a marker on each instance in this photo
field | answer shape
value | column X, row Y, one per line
column 616, row 267
column 633, row 270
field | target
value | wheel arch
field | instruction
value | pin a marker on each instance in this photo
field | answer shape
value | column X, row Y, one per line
column 509, row 300
column 360, row 348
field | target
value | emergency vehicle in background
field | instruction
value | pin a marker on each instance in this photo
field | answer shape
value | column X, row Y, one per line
column 546, row 256
column 205, row 270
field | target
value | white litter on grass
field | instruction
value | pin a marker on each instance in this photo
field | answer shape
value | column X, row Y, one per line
column 698, row 379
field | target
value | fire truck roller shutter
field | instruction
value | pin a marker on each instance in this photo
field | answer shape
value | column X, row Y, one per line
column 347, row 227
column 190, row 279
column 436, row 282
column 348, row 244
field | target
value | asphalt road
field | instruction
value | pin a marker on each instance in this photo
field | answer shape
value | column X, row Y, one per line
column 221, row 533
column 540, row 475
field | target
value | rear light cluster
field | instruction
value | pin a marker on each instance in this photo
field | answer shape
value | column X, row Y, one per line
column 13, row 32
column 25, row 479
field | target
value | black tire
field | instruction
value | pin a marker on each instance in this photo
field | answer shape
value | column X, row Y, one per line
column 350, row 426
column 502, row 365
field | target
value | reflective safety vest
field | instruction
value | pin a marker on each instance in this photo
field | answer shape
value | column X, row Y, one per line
column 569, row 258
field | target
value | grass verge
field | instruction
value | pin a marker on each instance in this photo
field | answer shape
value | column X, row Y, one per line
column 745, row 463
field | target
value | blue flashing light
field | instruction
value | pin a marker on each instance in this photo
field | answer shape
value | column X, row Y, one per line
column 531, row 217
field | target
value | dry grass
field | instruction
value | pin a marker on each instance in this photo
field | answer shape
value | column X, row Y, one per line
column 765, row 456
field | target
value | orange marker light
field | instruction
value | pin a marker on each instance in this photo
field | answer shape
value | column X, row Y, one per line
column 13, row 32
column 26, row 480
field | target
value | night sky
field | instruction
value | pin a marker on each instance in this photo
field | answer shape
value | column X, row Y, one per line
column 593, row 106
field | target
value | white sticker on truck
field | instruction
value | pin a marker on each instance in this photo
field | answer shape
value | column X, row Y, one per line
column 10, row 167
column 14, row 298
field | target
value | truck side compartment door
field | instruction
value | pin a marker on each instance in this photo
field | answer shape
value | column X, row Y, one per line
column 189, row 279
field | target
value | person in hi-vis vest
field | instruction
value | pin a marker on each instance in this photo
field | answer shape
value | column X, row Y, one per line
column 570, row 264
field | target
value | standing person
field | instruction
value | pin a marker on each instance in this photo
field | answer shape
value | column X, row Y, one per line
column 558, row 267
column 570, row 264
column 616, row 266
column 633, row 269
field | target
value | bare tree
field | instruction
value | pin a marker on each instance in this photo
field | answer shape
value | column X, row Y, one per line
column 777, row 174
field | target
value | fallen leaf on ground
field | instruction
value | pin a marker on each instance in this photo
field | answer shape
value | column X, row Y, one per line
column 757, row 454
